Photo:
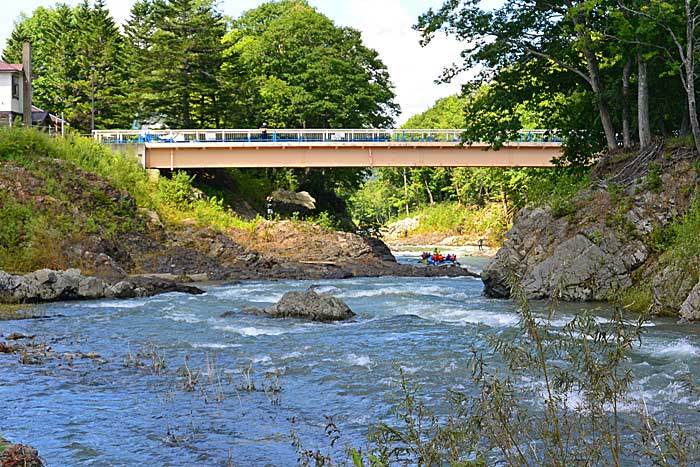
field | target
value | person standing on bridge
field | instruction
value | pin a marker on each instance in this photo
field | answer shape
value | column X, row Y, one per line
column 263, row 131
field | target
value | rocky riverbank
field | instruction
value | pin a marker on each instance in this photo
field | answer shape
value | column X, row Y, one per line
column 47, row 285
column 612, row 239
column 18, row 455
column 83, row 221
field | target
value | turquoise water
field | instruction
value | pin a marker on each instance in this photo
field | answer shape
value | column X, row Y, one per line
column 122, row 409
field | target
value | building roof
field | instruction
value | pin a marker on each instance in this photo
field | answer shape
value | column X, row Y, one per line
column 9, row 66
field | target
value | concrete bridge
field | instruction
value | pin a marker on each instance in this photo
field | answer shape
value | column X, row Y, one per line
column 185, row 149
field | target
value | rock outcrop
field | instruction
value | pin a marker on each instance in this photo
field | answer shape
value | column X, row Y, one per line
column 18, row 455
column 288, row 202
column 602, row 240
column 401, row 228
column 547, row 257
column 690, row 310
column 307, row 305
column 47, row 285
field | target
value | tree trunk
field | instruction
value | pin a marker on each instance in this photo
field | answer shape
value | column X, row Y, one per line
column 430, row 193
column 626, row 126
column 692, row 108
column 690, row 73
column 405, row 189
column 643, row 103
column 603, row 109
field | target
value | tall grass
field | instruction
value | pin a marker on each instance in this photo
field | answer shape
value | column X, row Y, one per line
column 63, row 206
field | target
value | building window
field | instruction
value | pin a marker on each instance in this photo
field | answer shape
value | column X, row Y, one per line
column 15, row 87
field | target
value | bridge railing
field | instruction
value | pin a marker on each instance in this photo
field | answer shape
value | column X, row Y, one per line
column 301, row 136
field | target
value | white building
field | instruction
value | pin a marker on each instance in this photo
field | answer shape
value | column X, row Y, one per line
column 11, row 99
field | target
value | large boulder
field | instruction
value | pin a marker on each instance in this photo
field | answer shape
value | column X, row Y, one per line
column 307, row 305
column 288, row 202
column 401, row 228
column 671, row 286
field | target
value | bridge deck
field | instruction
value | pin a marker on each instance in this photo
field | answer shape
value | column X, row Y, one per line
column 181, row 149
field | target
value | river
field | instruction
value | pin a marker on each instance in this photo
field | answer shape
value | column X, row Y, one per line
column 258, row 379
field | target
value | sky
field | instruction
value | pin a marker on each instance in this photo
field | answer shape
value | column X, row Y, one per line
column 385, row 26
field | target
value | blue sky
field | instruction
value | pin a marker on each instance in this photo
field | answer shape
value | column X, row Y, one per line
column 385, row 26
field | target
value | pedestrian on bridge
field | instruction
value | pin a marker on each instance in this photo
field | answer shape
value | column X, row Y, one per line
column 263, row 131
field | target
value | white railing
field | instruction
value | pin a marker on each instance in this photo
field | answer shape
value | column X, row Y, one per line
column 301, row 136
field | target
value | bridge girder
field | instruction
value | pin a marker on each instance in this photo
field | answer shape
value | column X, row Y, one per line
column 389, row 154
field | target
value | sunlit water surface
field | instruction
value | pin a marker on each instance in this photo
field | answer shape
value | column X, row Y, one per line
column 111, row 412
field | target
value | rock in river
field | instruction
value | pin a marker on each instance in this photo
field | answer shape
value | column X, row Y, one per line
column 307, row 305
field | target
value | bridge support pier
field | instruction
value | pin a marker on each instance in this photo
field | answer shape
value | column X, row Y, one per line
column 141, row 154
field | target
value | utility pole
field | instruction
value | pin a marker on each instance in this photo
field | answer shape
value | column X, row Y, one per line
column 92, row 120
column 27, row 84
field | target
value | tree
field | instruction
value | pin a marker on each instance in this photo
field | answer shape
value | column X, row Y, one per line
column 292, row 67
column 67, row 43
column 555, row 36
column 303, row 71
column 180, row 41
column 680, row 22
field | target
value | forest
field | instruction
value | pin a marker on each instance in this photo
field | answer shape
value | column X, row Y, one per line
column 604, row 75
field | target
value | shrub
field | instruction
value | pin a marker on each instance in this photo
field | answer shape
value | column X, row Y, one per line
column 490, row 222
column 562, row 207
column 654, row 177
column 176, row 191
column 326, row 220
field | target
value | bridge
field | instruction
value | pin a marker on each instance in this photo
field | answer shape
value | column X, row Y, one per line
column 186, row 149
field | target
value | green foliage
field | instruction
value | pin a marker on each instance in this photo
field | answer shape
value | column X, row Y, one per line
column 447, row 112
column 595, row 237
column 176, row 191
column 562, row 207
column 489, row 222
column 326, row 220
column 559, row 66
column 661, row 238
column 178, row 73
column 684, row 248
column 302, row 71
column 67, row 43
column 370, row 205
column 638, row 299
column 654, row 177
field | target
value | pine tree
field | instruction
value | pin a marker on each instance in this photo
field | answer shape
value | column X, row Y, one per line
column 182, row 63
